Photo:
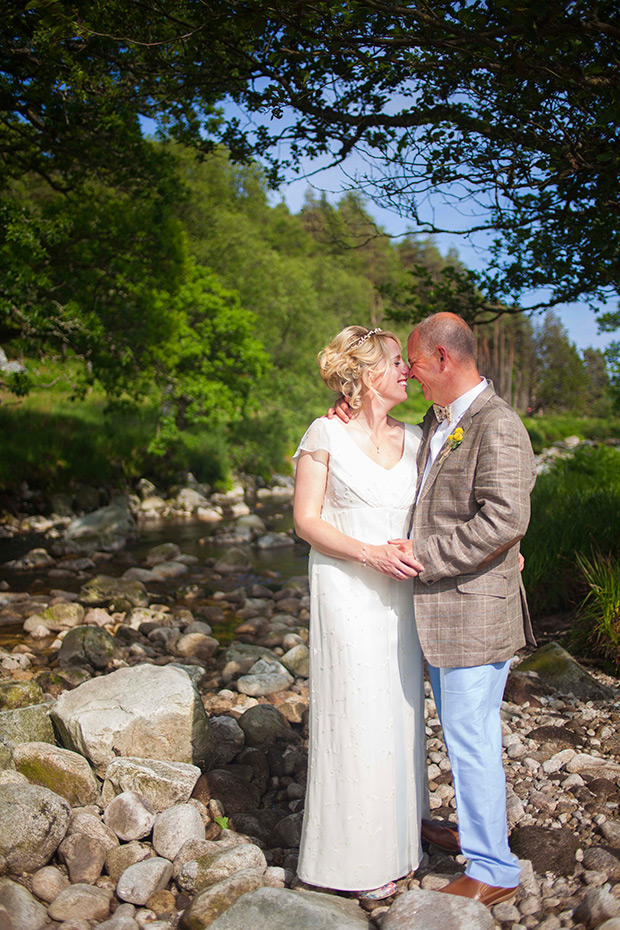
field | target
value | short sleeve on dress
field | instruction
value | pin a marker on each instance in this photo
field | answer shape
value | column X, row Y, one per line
column 316, row 437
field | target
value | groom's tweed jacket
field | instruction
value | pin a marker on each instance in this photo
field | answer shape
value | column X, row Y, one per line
column 474, row 507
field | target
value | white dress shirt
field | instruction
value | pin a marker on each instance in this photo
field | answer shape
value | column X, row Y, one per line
column 447, row 426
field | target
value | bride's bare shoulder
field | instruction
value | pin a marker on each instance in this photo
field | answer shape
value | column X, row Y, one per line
column 410, row 428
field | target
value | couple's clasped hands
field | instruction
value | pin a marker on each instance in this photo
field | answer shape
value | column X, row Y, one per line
column 395, row 558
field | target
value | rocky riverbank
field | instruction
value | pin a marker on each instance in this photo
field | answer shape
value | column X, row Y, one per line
column 153, row 775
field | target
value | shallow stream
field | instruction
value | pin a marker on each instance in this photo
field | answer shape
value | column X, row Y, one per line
column 192, row 536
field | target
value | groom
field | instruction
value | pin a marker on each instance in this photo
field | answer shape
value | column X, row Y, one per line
column 475, row 474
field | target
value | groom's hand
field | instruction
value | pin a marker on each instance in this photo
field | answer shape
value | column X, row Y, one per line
column 341, row 410
column 405, row 547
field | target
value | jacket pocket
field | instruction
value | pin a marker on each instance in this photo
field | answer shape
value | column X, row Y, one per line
column 491, row 584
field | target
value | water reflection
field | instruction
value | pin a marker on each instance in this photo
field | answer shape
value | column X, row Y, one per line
column 193, row 538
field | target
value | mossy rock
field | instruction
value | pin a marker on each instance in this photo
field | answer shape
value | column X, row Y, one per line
column 57, row 617
column 556, row 667
column 104, row 589
column 64, row 772
column 26, row 725
column 56, row 680
column 14, row 694
column 87, row 645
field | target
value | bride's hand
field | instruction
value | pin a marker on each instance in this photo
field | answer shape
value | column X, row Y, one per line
column 392, row 560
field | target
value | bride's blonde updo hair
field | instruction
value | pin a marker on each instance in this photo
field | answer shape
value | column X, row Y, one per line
column 353, row 353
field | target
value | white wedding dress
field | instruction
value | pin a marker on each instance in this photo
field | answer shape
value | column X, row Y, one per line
column 367, row 786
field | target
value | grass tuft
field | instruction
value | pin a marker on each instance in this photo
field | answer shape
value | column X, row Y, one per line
column 598, row 630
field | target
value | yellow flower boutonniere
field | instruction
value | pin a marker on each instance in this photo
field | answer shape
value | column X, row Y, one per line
column 453, row 441
column 456, row 438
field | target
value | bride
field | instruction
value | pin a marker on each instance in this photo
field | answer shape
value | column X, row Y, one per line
column 354, row 490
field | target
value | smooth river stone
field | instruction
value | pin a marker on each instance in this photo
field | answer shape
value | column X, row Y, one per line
column 147, row 711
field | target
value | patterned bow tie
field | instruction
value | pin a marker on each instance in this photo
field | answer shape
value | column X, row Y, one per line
column 442, row 413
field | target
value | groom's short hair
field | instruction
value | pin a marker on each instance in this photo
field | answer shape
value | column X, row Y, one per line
column 449, row 330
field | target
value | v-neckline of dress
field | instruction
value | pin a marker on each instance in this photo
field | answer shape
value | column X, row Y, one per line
column 367, row 457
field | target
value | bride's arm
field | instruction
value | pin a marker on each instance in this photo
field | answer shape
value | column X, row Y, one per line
column 310, row 484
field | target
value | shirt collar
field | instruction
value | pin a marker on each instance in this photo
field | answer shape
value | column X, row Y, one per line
column 464, row 402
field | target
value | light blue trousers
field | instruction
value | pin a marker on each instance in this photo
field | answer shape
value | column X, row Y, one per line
column 468, row 702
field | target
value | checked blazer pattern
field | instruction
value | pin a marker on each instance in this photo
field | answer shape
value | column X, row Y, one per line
column 473, row 509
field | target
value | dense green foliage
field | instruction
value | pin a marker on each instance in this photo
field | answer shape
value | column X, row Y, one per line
column 233, row 371
column 226, row 359
column 575, row 510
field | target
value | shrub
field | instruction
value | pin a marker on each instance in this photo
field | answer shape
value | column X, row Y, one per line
column 598, row 630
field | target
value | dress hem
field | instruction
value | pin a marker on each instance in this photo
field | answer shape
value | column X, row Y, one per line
column 368, row 887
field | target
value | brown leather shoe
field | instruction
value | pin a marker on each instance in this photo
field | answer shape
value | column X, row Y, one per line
column 444, row 835
column 468, row 887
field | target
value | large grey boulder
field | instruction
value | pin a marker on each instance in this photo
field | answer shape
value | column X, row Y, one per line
column 281, row 909
column 33, row 821
column 162, row 783
column 148, row 711
column 434, row 911
column 62, row 771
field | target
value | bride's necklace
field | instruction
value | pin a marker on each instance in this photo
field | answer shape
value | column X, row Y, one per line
column 370, row 436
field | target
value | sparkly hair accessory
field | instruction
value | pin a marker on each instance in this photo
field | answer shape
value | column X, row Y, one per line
column 371, row 332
